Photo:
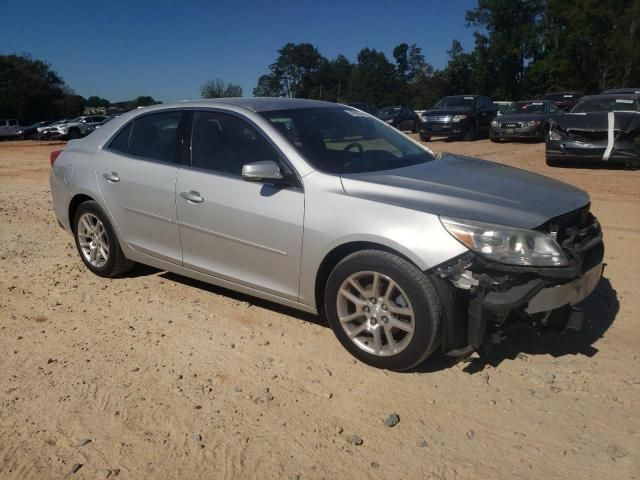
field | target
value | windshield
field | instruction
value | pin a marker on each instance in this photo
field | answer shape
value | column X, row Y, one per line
column 560, row 97
column 388, row 112
column 456, row 103
column 344, row 140
column 76, row 120
column 528, row 107
column 606, row 104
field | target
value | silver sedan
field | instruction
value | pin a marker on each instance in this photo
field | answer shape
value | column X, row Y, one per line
column 324, row 208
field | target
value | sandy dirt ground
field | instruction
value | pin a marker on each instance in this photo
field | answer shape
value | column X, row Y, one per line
column 158, row 376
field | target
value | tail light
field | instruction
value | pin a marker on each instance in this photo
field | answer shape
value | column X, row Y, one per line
column 54, row 155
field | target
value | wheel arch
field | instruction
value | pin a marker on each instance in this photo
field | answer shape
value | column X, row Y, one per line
column 75, row 202
column 337, row 254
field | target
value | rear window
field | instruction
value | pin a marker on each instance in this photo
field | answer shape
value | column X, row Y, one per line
column 606, row 103
column 154, row 136
column 120, row 143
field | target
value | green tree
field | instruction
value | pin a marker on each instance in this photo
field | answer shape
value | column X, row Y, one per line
column 588, row 45
column 219, row 89
column 374, row 80
column 29, row 89
column 455, row 78
column 512, row 39
column 292, row 74
column 330, row 81
column 95, row 101
column 268, row 86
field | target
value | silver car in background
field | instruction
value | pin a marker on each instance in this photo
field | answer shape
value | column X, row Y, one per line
column 324, row 208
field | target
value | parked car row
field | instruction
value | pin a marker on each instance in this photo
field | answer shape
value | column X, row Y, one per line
column 603, row 127
column 63, row 129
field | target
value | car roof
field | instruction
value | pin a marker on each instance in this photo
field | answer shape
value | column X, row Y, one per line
column 541, row 100
column 255, row 104
column 629, row 96
column 631, row 90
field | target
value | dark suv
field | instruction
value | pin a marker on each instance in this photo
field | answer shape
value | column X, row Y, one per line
column 402, row 118
column 466, row 116
column 563, row 100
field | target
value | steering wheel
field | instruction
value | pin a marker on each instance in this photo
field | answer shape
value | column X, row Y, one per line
column 353, row 144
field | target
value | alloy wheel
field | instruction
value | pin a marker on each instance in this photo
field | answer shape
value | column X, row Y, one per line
column 93, row 240
column 375, row 313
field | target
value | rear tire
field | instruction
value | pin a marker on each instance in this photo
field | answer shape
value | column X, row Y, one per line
column 384, row 310
column 97, row 242
column 425, row 138
column 415, row 127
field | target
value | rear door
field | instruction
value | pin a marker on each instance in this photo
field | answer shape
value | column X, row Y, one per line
column 246, row 232
column 137, row 173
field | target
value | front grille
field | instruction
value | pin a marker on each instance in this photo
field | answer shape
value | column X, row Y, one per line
column 587, row 136
column 439, row 118
column 580, row 236
column 511, row 125
column 563, row 225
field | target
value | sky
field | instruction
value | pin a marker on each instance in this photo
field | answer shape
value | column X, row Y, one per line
column 167, row 49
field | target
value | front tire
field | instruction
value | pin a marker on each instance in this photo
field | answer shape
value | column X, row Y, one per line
column 97, row 242
column 384, row 310
column 472, row 131
column 74, row 134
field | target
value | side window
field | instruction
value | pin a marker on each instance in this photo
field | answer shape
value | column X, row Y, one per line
column 224, row 143
column 120, row 143
column 154, row 136
column 13, row 123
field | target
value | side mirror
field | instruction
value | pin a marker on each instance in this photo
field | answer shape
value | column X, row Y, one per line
column 258, row 171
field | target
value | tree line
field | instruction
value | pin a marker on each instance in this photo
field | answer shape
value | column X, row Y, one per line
column 30, row 90
column 522, row 49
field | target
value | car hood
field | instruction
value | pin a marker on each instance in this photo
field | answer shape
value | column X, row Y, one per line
column 624, row 122
column 522, row 117
column 470, row 188
column 448, row 111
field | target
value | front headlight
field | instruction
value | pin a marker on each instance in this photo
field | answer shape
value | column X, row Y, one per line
column 513, row 246
column 459, row 118
column 532, row 123
column 494, row 123
column 389, row 121
column 553, row 135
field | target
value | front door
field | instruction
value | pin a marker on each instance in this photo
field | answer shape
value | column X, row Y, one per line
column 249, row 233
column 137, row 173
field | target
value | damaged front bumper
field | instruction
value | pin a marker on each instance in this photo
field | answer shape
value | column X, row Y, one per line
column 483, row 298
column 598, row 137
column 627, row 153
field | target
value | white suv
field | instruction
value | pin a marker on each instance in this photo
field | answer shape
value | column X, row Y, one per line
column 78, row 127
column 10, row 128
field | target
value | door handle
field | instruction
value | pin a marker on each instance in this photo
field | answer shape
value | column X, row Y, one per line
column 111, row 177
column 193, row 197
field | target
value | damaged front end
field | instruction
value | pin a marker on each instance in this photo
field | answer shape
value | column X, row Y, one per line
column 599, row 136
column 483, row 298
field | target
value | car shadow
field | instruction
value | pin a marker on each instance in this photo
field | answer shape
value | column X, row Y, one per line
column 594, row 165
column 241, row 297
column 600, row 310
